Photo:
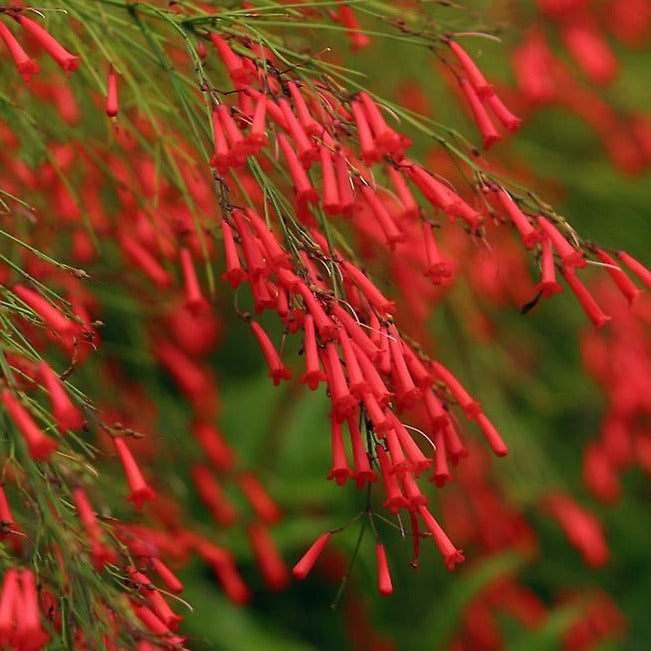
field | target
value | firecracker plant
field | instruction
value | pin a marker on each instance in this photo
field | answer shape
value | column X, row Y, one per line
column 177, row 174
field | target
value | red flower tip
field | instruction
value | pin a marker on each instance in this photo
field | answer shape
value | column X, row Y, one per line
column 384, row 577
column 305, row 565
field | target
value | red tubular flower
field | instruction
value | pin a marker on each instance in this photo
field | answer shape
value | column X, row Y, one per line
column 357, row 38
column 395, row 500
column 313, row 373
column 570, row 257
column 368, row 289
column 441, row 474
column 150, row 620
column 307, row 150
column 222, row 158
column 623, row 282
column 112, row 105
column 194, row 299
column 372, row 377
column 385, row 136
column 277, row 370
column 344, row 186
column 470, row 406
column 224, row 569
column 399, row 463
column 640, row 271
column 453, row 444
column 26, row 67
column 64, row 412
column 355, row 331
column 305, row 565
column 10, row 605
column 598, row 317
column 238, row 71
column 69, row 62
column 234, row 274
column 143, row 259
column 323, row 323
column 212, row 495
column 305, row 193
column 50, row 315
column 415, row 497
column 39, row 445
column 548, row 285
column 168, row 577
column 436, row 269
column 590, row 50
column 384, row 577
column 140, row 490
column 343, row 402
column 451, row 555
column 474, row 74
column 508, row 120
column 257, row 137
column 273, row 568
column 239, row 146
column 213, row 445
column 356, row 381
column 530, row 236
column 275, row 253
column 487, row 129
column 363, row 473
column 391, row 230
column 29, row 635
column 368, row 149
column 264, row 507
column 100, row 553
column 307, row 122
column 417, row 460
column 410, row 209
column 492, row 436
column 331, row 202
column 407, row 392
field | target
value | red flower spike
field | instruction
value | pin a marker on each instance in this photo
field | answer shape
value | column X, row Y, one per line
column 450, row 553
column 390, row 229
column 343, row 402
column 470, row 406
column 340, row 471
column 168, row 577
column 50, row 315
column 257, row 137
column 508, row 120
column 265, row 508
column 112, row 105
column 39, row 445
column 307, row 150
column 395, row 499
column 384, row 578
column 305, row 193
column 140, row 490
column 313, row 373
column 637, row 268
column 234, row 274
column 530, row 236
column 238, row 71
column 492, row 436
column 356, row 381
column 272, row 567
column 69, row 62
column 26, row 67
column 65, row 413
column 410, row 209
column 368, row 149
column 277, row 370
column 474, row 74
column 486, row 127
column 308, row 123
column 548, row 285
column 441, row 474
column 570, row 257
column 598, row 317
column 344, row 186
column 30, row 635
column 331, row 202
column 363, row 473
column 305, row 565
column 349, row 20
column 194, row 299
column 368, row 289
column 623, row 282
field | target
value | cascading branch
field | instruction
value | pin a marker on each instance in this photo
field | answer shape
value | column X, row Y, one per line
column 303, row 169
